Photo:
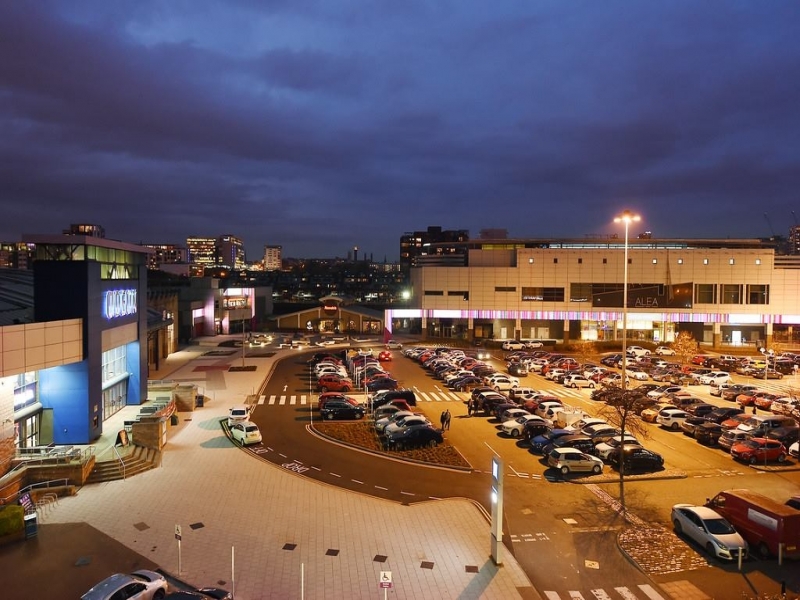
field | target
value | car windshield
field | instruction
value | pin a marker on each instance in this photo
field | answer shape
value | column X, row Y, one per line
column 719, row 527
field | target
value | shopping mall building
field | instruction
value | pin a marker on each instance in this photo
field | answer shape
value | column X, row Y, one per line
column 727, row 291
column 83, row 356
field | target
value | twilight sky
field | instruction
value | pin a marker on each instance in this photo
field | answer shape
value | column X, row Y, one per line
column 321, row 125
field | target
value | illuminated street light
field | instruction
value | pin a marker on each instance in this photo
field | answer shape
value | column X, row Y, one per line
column 627, row 217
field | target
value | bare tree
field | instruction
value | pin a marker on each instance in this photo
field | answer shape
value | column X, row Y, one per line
column 621, row 410
column 584, row 349
column 685, row 346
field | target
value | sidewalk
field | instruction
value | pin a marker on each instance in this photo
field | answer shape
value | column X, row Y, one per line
column 287, row 536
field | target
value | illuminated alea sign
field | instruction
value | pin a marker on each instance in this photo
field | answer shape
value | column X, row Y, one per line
column 119, row 303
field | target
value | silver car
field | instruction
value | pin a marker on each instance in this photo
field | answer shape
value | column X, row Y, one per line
column 709, row 529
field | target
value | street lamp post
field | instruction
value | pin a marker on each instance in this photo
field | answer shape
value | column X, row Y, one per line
column 627, row 217
column 767, row 354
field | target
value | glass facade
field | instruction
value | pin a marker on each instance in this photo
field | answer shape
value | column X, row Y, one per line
column 115, row 380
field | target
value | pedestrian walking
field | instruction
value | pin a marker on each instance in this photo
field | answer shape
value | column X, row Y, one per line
column 446, row 420
column 794, row 369
column 443, row 419
column 469, row 407
column 755, row 410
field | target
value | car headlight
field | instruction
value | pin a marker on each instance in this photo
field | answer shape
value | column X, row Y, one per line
column 721, row 545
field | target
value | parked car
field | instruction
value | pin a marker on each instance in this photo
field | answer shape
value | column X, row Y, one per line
column 578, row 381
column 637, row 351
column 691, row 424
column 708, row 434
column 730, row 394
column 383, row 422
column 721, row 413
column 671, row 418
column 577, row 440
column 710, row 530
column 246, row 433
column 238, row 413
column 405, row 422
column 513, row 345
column 515, row 427
column 572, row 460
column 414, row 436
column 731, row 437
column 715, row 378
column 717, row 389
column 604, row 449
column 342, row 409
column 650, row 415
column 758, row 450
column 394, row 345
column 139, row 585
column 384, row 383
column 785, row 435
column 664, row 351
column 539, row 442
column 331, row 382
column 636, row 458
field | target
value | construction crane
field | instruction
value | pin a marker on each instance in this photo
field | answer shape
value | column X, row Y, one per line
column 772, row 231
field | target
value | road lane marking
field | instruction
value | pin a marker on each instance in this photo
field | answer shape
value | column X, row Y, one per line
column 282, row 401
column 650, row 592
column 357, row 481
column 261, row 399
column 625, row 593
column 272, row 399
column 379, row 487
column 408, row 493
column 334, row 474
column 303, row 399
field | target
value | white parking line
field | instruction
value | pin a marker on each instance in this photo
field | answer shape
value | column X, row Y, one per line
column 261, row 399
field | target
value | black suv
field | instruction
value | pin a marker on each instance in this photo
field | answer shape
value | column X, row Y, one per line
column 636, row 458
column 341, row 409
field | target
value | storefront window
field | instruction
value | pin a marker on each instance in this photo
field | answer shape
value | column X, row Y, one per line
column 115, row 398
column 115, row 363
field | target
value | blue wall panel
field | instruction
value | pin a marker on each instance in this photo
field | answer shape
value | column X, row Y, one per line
column 65, row 389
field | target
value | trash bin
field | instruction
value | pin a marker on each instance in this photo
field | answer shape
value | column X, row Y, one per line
column 31, row 525
column 173, row 420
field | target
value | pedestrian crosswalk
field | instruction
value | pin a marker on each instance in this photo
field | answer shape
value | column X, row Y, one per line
column 642, row 592
column 434, row 396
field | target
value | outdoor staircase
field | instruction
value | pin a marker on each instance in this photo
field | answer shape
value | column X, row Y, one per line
column 137, row 460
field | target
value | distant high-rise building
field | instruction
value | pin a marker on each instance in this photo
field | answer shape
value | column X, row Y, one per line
column 414, row 244
column 202, row 251
column 273, row 258
column 86, row 229
column 794, row 239
column 166, row 254
column 16, row 255
column 230, row 252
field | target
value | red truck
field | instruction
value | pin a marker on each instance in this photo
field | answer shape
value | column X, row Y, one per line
column 769, row 527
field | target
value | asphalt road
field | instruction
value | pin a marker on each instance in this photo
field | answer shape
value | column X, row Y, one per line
column 564, row 538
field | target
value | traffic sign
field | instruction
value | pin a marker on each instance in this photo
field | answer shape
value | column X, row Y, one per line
column 385, row 580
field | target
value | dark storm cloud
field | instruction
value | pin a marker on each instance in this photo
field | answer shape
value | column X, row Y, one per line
column 322, row 126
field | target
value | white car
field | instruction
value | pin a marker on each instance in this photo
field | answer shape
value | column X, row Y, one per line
column 710, row 530
column 637, row 351
column 237, row 414
column 637, row 374
column 794, row 450
column 504, row 383
column 383, row 422
column 394, row 345
column 578, row 381
column 513, row 413
column 548, row 406
column 716, row 389
column 393, row 428
column 664, row 351
column 139, row 585
column 671, row 418
column 715, row 378
column 604, row 449
column 515, row 427
column 529, row 344
column 513, row 345
column 569, row 460
column 245, row 433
